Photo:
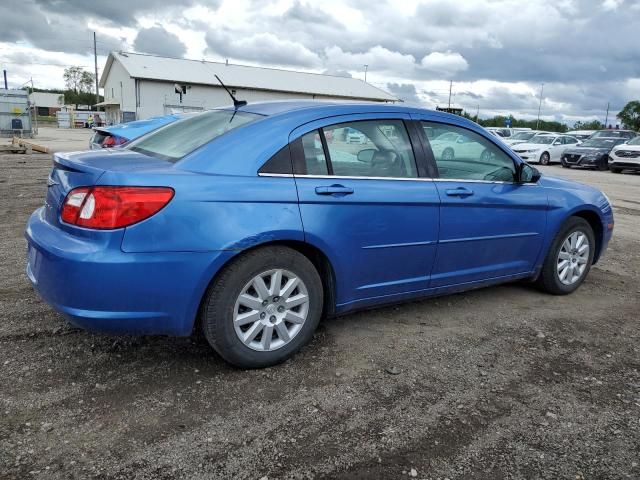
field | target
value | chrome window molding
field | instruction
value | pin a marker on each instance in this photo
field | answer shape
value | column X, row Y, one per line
column 404, row 179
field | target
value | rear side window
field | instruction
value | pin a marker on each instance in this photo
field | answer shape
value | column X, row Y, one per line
column 174, row 141
column 280, row 163
column 376, row 148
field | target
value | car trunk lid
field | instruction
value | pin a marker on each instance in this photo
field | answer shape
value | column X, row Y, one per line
column 84, row 169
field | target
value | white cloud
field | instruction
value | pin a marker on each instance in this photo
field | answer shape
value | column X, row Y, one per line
column 377, row 58
column 444, row 63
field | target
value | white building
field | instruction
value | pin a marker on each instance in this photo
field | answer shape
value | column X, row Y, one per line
column 138, row 86
column 47, row 103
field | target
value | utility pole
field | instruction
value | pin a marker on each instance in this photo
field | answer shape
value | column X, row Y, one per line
column 606, row 119
column 450, row 87
column 35, row 111
column 95, row 61
column 540, row 105
column 366, row 67
column 477, row 113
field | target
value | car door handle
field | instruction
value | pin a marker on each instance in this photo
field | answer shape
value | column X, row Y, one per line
column 459, row 192
column 338, row 190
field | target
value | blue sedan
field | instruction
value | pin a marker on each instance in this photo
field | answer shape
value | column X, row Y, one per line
column 251, row 223
column 116, row 135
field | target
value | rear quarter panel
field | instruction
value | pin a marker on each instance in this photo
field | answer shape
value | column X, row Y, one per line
column 218, row 212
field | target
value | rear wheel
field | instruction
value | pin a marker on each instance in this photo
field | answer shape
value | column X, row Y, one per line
column 569, row 259
column 263, row 307
column 448, row 154
column 545, row 159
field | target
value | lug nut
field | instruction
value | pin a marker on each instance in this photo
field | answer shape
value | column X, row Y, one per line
column 262, row 315
column 276, row 299
column 281, row 308
column 272, row 318
column 265, row 303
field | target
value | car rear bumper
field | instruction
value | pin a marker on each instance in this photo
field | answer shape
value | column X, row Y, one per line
column 100, row 288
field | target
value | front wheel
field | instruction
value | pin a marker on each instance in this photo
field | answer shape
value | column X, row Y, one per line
column 569, row 259
column 448, row 154
column 603, row 165
column 263, row 307
column 545, row 159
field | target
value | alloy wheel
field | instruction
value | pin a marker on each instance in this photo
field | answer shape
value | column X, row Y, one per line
column 271, row 310
column 573, row 257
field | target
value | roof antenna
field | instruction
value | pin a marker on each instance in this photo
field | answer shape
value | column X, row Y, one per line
column 236, row 103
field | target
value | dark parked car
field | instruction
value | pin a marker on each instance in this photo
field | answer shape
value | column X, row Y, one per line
column 592, row 153
column 250, row 224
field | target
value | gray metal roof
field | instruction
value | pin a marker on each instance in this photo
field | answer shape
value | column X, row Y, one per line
column 153, row 67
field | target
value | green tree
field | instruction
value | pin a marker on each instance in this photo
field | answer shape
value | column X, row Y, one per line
column 630, row 115
column 78, row 80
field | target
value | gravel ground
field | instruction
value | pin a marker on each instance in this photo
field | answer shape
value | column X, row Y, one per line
column 504, row 382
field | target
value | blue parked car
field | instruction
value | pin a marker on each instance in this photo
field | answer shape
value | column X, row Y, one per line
column 251, row 223
column 116, row 135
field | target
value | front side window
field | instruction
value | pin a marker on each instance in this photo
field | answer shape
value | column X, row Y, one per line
column 174, row 141
column 462, row 154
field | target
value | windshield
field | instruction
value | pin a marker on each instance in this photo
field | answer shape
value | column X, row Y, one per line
column 635, row 141
column 522, row 136
column 602, row 142
column 180, row 138
column 543, row 139
column 611, row 134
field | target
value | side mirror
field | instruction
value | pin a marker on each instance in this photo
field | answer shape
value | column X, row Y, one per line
column 528, row 174
column 366, row 155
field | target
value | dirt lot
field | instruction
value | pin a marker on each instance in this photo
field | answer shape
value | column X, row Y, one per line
column 504, row 382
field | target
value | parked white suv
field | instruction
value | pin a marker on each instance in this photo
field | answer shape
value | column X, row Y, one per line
column 625, row 156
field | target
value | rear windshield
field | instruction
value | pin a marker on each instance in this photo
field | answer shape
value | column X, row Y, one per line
column 174, row 141
column 99, row 137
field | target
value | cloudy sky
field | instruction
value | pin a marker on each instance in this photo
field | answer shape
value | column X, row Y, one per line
column 496, row 52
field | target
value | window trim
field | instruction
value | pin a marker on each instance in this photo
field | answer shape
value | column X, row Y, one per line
column 432, row 158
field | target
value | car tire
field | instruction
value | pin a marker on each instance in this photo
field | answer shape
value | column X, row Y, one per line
column 448, row 154
column 221, row 320
column 616, row 170
column 603, row 165
column 566, row 165
column 545, row 159
column 551, row 276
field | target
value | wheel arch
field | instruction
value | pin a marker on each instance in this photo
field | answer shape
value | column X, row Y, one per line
column 594, row 221
column 316, row 256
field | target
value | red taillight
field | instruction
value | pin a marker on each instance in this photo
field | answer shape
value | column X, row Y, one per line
column 113, row 141
column 113, row 207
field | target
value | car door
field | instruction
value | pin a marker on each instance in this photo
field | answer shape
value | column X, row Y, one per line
column 490, row 225
column 367, row 206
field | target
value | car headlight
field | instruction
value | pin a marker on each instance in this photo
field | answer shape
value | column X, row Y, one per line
column 532, row 151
